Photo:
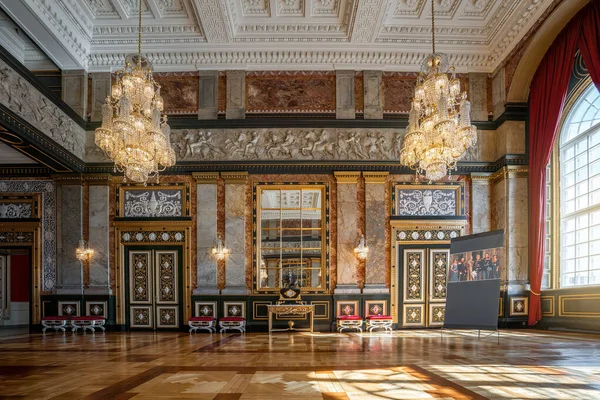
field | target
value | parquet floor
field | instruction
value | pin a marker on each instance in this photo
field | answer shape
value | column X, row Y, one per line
column 401, row 365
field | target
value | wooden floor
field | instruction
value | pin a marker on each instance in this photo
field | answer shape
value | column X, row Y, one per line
column 401, row 365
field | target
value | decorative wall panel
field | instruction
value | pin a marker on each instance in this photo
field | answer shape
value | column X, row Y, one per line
column 437, row 313
column 48, row 191
column 347, row 307
column 96, row 308
column 414, row 315
column 15, row 210
column 153, row 236
column 141, row 316
column 152, row 203
column 234, row 309
column 428, row 200
column 166, row 277
column 295, row 92
column 438, row 273
column 167, row 316
column 205, row 309
column 68, row 308
column 140, row 278
column 375, row 307
column 414, row 286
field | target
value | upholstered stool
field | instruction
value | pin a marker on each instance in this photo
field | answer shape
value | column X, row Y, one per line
column 378, row 322
column 207, row 323
column 56, row 322
column 349, row 322
column 87, row 322
column 238, row 323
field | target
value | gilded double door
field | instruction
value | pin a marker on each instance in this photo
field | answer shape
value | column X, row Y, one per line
column 154, row 289
column 424, row 276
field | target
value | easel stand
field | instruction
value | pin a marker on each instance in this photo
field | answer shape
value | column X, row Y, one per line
column 491, row 333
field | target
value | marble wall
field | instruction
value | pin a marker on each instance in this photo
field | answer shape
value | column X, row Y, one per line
column 376, row 225
column 70, row 227
column 347, row 232
column 179, row 91
column 99, row 238
column 206, row 228
column 481, row 199
column 235, row 264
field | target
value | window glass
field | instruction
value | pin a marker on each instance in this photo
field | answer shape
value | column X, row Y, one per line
column 579, row 152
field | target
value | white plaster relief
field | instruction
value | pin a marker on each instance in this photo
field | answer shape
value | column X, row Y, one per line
column 26, row 101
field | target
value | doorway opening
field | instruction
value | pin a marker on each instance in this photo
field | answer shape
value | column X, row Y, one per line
column 15, row 286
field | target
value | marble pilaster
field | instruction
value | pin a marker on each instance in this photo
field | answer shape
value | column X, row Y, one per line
column 206, row 225
column 344, row 95
column 101, row 86
column 375, row 227
column 75, row 90
column 99, row 239
column 70, row 228
column 478, row 96
column 481, row 198
column 499, row 93
column 208, row 95
column 373, row 94
column 235, row 231
column 511, row 138
column 236, row 95
column 347, row 232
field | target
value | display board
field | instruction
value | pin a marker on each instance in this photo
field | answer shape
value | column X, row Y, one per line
column 474, row 276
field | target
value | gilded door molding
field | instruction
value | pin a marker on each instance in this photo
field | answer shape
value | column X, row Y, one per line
column 417, row 232
column 155, row 234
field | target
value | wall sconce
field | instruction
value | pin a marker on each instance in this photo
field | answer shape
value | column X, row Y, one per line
column 83, row 252
column 219, row 251
column 362, row 250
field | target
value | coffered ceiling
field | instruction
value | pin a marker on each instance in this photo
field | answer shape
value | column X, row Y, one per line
column 276, row 34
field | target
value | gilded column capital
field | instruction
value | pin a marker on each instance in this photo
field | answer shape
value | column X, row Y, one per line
column 206, row 177
column 375, row 177
column 346, row 176
column 235, row 177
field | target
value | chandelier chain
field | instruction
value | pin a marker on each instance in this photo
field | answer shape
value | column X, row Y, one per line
column 433, row 25
column 140, row 30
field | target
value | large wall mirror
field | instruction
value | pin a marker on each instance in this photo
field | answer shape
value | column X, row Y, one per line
column 290, row 231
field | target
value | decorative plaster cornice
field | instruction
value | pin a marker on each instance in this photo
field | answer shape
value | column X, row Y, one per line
column 289, row 60
column 205, row 177
column 375, row 177
column 235, row 177
column 346, row 176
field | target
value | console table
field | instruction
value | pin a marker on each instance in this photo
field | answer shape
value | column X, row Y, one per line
column 291, row 309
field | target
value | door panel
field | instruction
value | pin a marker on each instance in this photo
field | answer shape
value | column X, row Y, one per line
column 424, row 279
column 153, row 289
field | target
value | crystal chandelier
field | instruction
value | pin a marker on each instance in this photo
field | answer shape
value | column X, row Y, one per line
column 134, row 132
column 362, row 250
column 220, row 251
column 83, row 252
column 439, row 128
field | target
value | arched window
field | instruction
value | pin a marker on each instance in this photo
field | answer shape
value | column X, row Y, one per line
column 579, row 196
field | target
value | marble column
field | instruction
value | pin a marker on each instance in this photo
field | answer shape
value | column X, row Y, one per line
column 347, row 232
column 481, row 200
column 345, row 107
column 208, row 95
column 235, row 232
column 101, row 87
column 510, row 212
column 99, row 282
column 373, row 94
column 375, row 226
column 75, row 90
column 206, row 225
column 70, row 228
column 478, row 96
column 236, row 95
column 499, row 93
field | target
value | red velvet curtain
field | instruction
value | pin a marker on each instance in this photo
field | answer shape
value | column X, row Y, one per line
column 589, row 40
column 546, row 100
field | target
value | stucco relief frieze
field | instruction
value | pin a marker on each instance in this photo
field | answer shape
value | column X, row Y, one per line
column 287, row 144
column 26, row 101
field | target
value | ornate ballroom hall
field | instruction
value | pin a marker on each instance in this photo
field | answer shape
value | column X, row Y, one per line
column 300, row 199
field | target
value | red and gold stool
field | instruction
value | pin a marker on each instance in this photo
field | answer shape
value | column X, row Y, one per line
column 379, row 322
column 87, row 322
column 55, row 322
column 349, row 322
column 206, row 323
column 238, row 323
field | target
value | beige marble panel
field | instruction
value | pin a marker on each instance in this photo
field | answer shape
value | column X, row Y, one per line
column 99, row 236
column 510, row 138
column 478, row 96
column 375, row 218
column 517, row 224
column 481, row 211
column 235, row 270
column 347, row 219
column 206, row 234
column 71, row 231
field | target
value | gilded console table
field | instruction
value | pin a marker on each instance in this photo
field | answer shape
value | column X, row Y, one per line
column 291, row 309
